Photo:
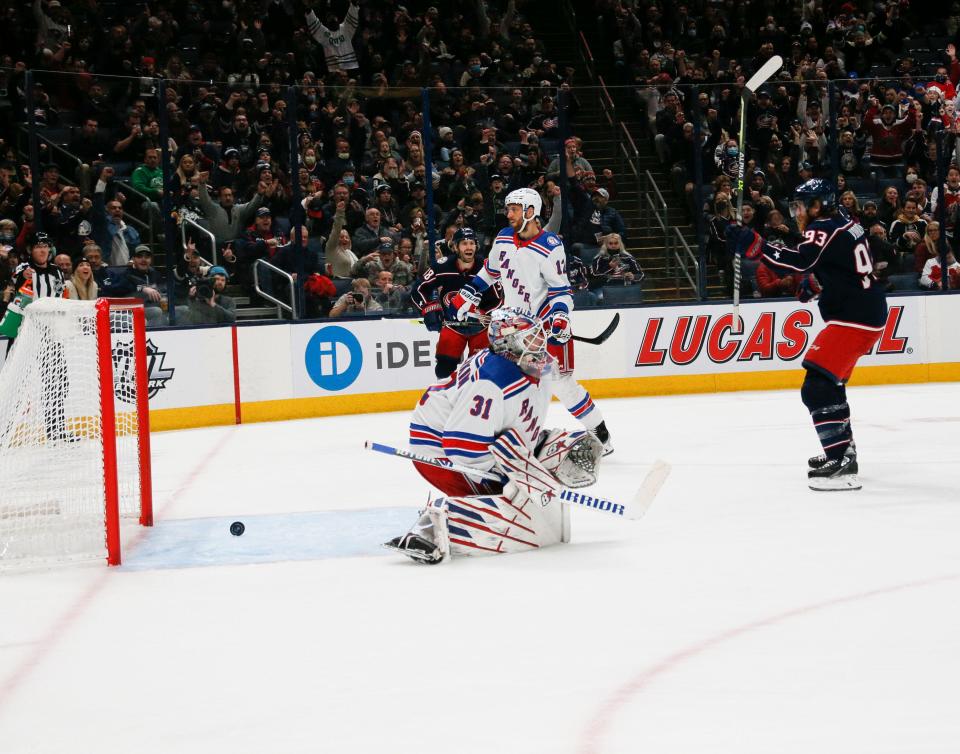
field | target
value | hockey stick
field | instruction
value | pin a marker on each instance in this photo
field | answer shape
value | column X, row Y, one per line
column 756, row 81
column 633, row 510
column 598, row 339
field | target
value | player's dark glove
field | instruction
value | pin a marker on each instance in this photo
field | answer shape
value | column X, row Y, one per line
column 433, row 316
column 744, row 241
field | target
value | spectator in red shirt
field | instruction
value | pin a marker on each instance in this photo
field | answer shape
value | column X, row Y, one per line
column 888, row 133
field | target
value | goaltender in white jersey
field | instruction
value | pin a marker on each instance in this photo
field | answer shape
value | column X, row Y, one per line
column 488, row 415
column 531, row 265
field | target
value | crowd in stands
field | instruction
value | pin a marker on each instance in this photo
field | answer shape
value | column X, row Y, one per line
column 895, row 73
column 499, row 118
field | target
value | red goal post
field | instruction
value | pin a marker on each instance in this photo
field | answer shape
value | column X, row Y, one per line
column 74, row 432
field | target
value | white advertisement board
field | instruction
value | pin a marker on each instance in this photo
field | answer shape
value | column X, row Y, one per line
column 368, row 356
column 676, row 340
column 191, row 367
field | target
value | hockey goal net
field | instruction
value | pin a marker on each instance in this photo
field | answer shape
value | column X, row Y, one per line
column 74, row 432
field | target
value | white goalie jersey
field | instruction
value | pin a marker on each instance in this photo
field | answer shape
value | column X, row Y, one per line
column 533, row 273
column 461, row 417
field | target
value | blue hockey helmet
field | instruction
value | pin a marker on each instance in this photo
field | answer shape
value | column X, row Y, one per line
column 464, row 234
column 815, row 188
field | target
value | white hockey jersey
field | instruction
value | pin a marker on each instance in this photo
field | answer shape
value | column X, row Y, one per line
column 337, row 43
column 487, row 395
column 533, row 273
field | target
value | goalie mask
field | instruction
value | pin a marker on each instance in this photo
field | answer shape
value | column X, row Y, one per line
column 520, row 338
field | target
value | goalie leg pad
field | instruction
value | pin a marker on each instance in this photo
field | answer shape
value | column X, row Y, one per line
column 489, row 525
column 572, row 457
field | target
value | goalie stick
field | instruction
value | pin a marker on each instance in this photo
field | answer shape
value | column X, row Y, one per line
column 633, row 510
column 756, row 81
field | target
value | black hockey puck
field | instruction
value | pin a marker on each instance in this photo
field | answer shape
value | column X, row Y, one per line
column 237, row 528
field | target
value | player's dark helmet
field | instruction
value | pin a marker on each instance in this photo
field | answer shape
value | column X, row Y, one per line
column 463, row 234
column 815, row 188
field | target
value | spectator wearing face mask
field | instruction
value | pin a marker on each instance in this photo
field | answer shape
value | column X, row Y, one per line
column 614, row 265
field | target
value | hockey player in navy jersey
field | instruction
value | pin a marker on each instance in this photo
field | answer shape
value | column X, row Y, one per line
column 433, row 292
column 853, row 306
column 531, row 265
column 488, row 415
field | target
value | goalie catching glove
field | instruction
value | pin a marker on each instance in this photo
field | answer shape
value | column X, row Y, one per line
column 563, row 459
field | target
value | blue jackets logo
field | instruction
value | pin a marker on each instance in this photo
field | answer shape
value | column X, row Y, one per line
column 333, row 358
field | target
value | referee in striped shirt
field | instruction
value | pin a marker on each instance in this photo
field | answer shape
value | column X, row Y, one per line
column 47, row 281
column 47, row 278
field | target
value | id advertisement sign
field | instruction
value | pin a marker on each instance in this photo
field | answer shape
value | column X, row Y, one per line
column 341, row 358
column 776, row 335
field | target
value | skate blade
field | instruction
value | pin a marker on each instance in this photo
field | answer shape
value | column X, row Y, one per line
column 414, row 555
column 849, row 482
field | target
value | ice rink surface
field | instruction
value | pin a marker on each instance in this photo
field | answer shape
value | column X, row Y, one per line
column 745, row 613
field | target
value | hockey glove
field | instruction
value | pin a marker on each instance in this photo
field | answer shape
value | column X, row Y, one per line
column 744, row 241
column 433, row 317
column 528, row 478
column 465, row 301
column 560, row 327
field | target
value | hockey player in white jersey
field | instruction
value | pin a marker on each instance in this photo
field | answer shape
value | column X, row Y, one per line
column 488, row 415
column 531, row 265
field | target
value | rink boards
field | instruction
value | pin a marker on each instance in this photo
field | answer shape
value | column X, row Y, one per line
column 264, row 372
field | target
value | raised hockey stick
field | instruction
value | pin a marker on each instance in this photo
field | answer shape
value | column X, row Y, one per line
column 632, row 510
column 756, row 81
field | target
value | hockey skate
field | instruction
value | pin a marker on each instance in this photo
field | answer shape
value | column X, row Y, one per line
column 818, row 462
column 603, row 435
column 416, row 548
column 836, row 474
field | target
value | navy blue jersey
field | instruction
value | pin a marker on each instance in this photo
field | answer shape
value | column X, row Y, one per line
column 836, row 250
column 449, row 278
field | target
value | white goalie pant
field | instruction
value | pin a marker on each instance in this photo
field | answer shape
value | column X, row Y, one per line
column 576, row 399
column 494, row 524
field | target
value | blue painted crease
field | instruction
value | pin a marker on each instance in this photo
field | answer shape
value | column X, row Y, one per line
column 317, row 535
